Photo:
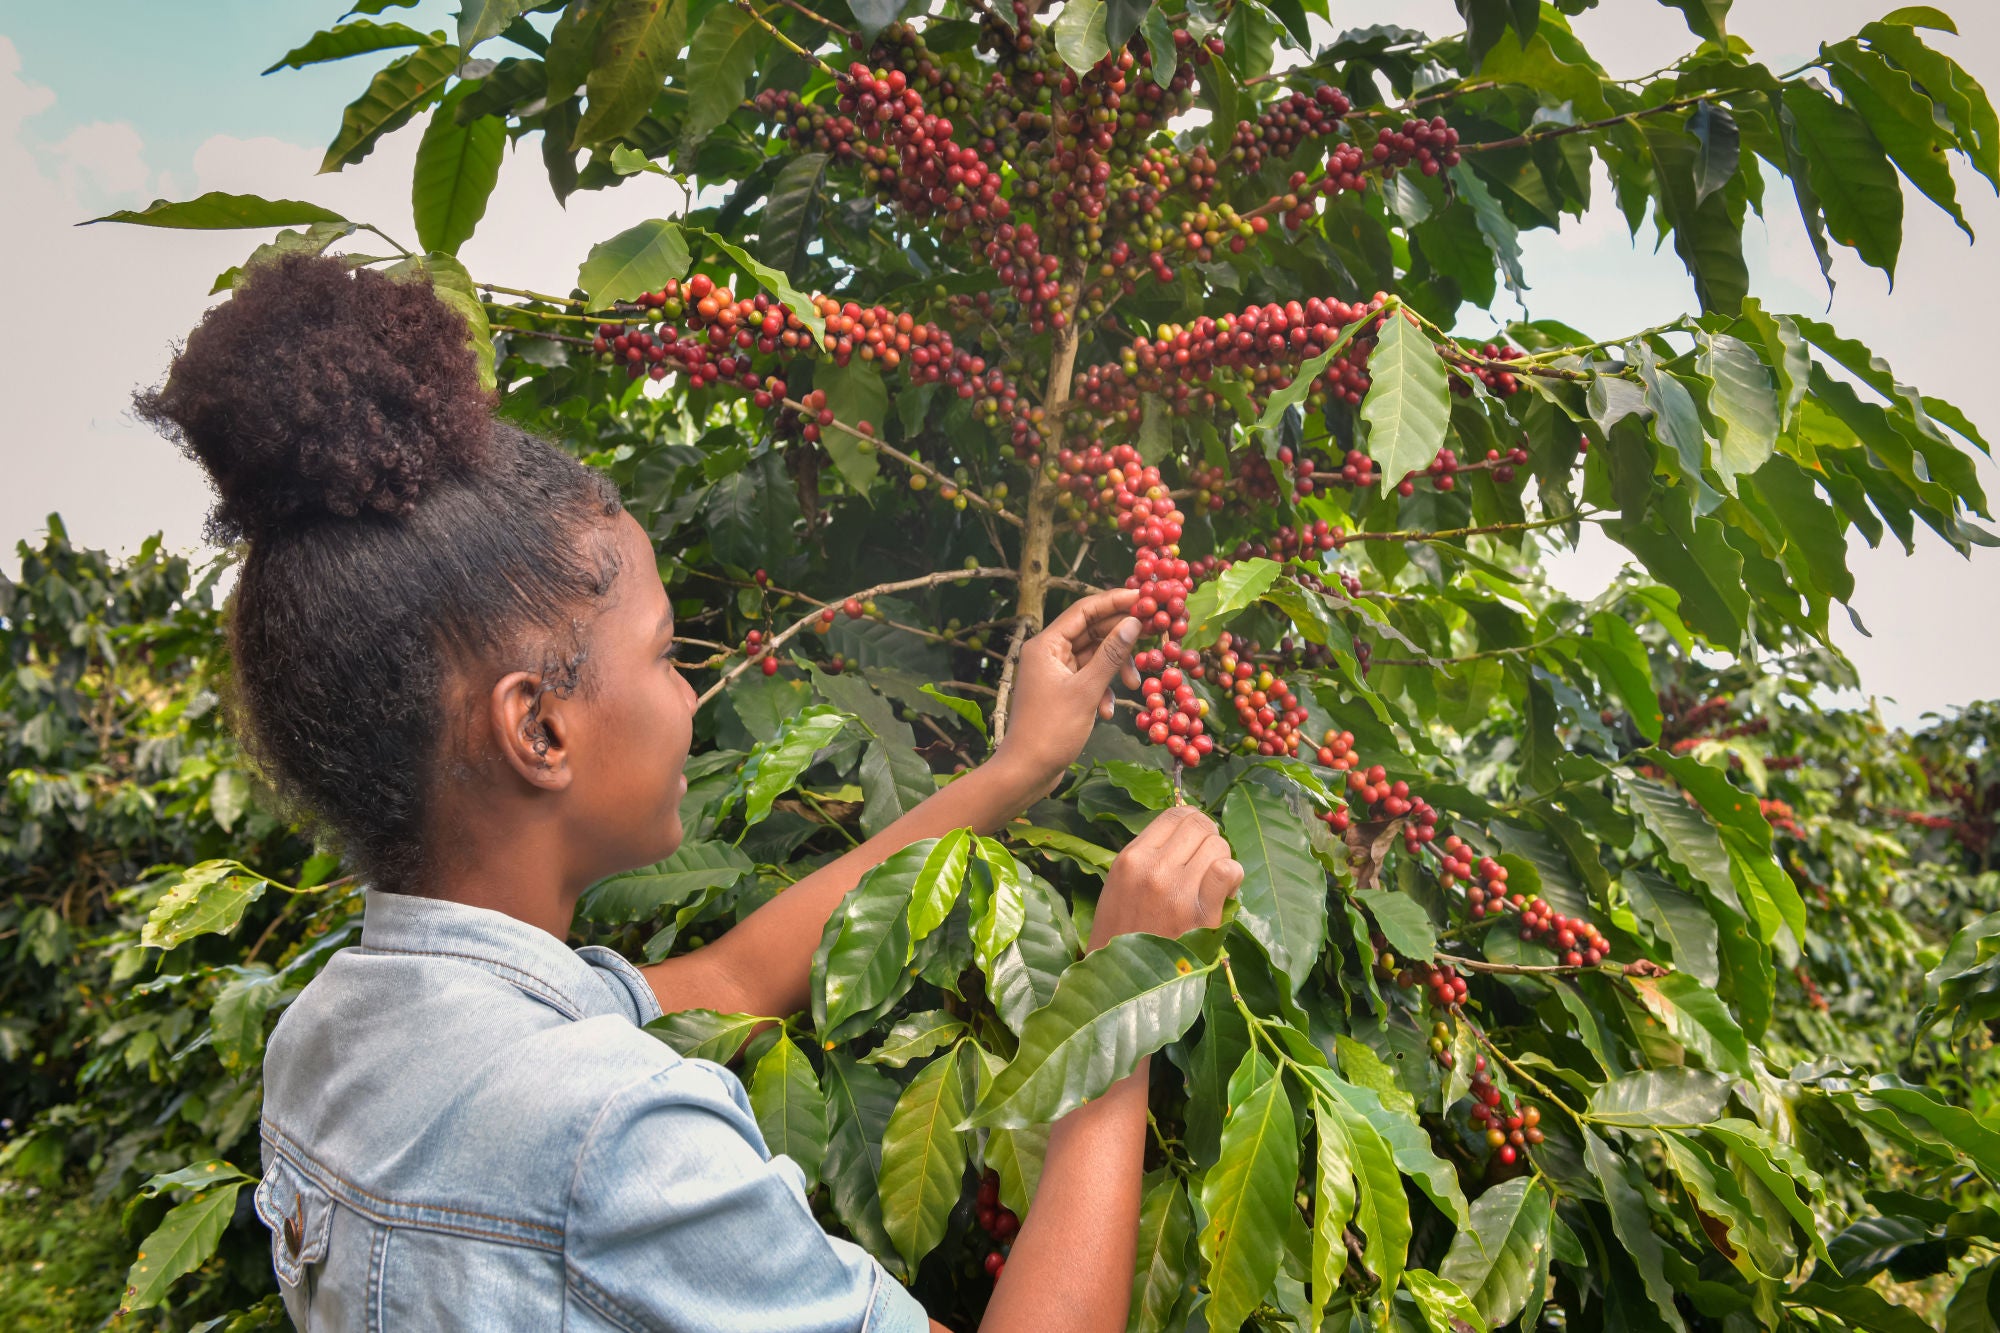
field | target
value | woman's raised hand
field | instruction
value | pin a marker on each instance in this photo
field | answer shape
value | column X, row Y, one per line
column 1062, row 684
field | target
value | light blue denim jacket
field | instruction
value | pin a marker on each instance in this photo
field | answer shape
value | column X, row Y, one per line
column 465, row 1127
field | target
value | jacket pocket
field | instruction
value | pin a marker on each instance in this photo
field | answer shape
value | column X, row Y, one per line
column 300, row 1216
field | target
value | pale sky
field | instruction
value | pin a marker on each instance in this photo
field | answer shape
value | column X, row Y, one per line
column 173, row 106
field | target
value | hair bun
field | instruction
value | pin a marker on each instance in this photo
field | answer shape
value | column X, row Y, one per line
column 319, row 390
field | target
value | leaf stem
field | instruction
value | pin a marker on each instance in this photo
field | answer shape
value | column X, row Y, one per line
column 783, row 40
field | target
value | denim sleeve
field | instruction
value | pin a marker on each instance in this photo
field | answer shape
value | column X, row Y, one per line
column 625, row 982
column 679, row 1219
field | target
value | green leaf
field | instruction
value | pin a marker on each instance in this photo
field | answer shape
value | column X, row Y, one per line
column 1446, row 1308
column 637, row 42
column 639, row 259
column 1743, row 404
column 1955, row 92
column 1715, row 130
column 456, row 170
column 1631, row 1221
column 1026, row 973
column 938, row 882
column 788, row 225
column 1852, row 177
column 855, row 394
column 1086, row 854
column 453, row 285
column 1247, row 1195
column 236, row 1020
column 774, row 766
column 923, row 1159
column 1619, row 655
column 1679, row 921
column 1210, row 606
column 183, row 1242
column 704, row 1034
column 1160, row 1275
column 1495, row 1259
column 1283, row 896
column 1334, row 1200
column 1294, row 394
column 1902, row 119
column 1393, row 1114
column 1972, row 1136
column 207, row 898
column 720, row 60
column 1859, row 1307
column 1695, row 1016
column 776, row 283
column 1707, row 237
column 790, row 1110
column 645, row 893
column 1143, row 783
column 398, row 91
column 863, row 954
column 1672, row 1096
column 350, row 39
column 875, row 15
column 915, row 1037
column 1408, row 407
column 894, row 780
column 1401, row 920
column 1159, row 36
column 480, row 19
column 1676, row 419
column 859, row 1102
column 1694, row 558
column 1783, row 1171
column 1080, row 36
column 1705, row 18
column 198, row 1175
column 1124, row 1001
column 965, row 708
column 216, row 211
column 1016, row 1156
column 998, row 924
column 1381, row 1210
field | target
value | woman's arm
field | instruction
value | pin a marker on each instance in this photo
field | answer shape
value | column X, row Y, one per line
column 1070, row 1270
column 1062, row 683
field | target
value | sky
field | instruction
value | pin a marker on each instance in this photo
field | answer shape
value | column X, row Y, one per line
column 176, row 106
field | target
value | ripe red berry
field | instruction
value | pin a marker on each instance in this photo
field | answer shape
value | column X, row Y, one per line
column 770, row 666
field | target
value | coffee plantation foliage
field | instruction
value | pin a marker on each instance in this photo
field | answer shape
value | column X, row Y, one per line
column 1586, row 972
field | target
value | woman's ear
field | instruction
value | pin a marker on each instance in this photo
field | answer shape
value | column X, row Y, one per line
column 531, row 729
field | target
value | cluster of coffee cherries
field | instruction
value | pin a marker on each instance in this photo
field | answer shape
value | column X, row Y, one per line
column 996, row 1221
column 1265, row 704
column 1783, row 818
column 1444, row 986
column 759, row 652
column 1499, row 381
column 1431, row 145
column 1286, row 124
column 1814, row 995
column 1575, row 940
column 1510, row 1129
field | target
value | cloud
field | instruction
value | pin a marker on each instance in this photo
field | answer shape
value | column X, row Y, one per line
column 106, row 156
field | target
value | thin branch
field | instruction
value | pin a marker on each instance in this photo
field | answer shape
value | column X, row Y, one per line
column 1520, row 969
column 1004, row 696
column 972, row 496
column 783, row 40
column 804, row 622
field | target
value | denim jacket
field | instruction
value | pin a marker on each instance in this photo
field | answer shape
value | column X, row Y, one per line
column 464, row 1126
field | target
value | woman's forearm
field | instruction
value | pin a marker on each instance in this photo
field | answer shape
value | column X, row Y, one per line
column 1070, row 1270
column 764, row 965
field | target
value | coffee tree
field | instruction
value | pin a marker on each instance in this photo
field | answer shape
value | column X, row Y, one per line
column 985, row 305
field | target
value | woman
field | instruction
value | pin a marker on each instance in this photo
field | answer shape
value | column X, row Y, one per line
column 454, row 653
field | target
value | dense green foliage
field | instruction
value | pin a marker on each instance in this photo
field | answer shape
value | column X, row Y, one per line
column 971, row 322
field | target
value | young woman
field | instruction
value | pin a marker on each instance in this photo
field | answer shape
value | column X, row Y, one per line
column 453, row 652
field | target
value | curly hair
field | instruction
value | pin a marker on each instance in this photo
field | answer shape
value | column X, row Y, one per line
column 398, row 536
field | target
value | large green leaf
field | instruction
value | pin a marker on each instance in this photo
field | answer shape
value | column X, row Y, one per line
column 997, row 923
column 1683, row 831
column 859, row 1102
column 1956, row 93
column 1743, row 404
column 1025, row 974
column 1650, row 1097
column 915, row 1037
column 1402, row 920
column 774, row 766
column 1121, row 1003
column 1852, row 177
column 1696, row 1017
column 637, row 41
column 1679, row 921
column 1860, row 1308
column 354, row 38
column 207, row 898
column 1247, row 1195
column 720, row 60
column 774, row 282
column 1160, row 1275
column 1496, row 1258
column 1619, row 655
column 457, row 168
column 1632, row 1222
column 1902, row 119
column 1446, row 1308
column 1783, row 1171
column 855, row 394
column 216, row 211
column 705, row 1034
column 923, row 1159
column 183, row 1242
column 863, row 953
column 645, row 893
column 398, row 91
column 639, row 259
column 1283, row 897
column 1695, row 559
column 1079, row 34
column 1707, row 237
column 938, row 882
column 1381, row 1210
column 790, row 1109
column 787, row 226
column 1408, row 407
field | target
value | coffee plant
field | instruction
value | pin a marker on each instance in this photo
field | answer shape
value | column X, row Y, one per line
column 1572, row 982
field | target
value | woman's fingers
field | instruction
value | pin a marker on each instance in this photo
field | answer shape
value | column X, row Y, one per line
column 1221, row 876
column 1187, row 840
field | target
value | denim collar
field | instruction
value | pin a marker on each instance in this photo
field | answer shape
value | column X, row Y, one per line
column 527, row 956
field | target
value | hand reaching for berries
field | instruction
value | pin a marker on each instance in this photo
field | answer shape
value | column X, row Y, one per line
column 1169, row 880
column 1062, row 684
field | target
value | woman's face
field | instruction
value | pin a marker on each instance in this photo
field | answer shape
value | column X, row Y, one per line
column 636, row 721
